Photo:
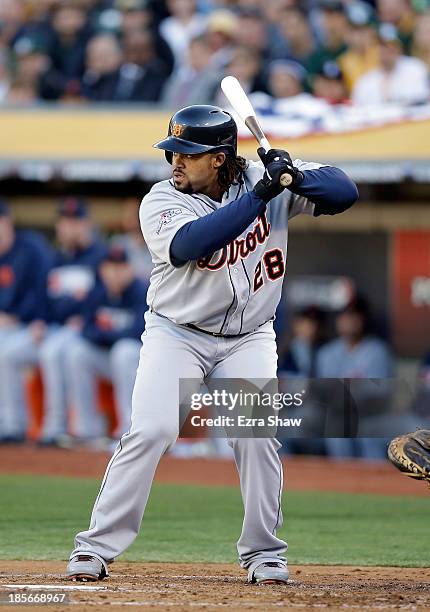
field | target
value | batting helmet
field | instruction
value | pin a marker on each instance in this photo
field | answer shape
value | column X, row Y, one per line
column 200, row 129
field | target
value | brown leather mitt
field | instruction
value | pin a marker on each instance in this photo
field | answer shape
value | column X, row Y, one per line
column 410, row 453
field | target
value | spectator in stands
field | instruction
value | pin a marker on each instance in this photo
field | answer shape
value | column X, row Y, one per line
column 4, row 76
column 220, row 35
column 362, row 54
column 100, row 82
column 401, row 14
column 70, row 36
column 24, row 263
column 34, row 73
column 273, row 12
column 329, row 84
column 308, row 337
column 70, row 280
column 355, row 353
column 38, row 20
column 133, row 242
column 12, row 17
column 183, row 24
column 251, row 30
column 286, row 83
column 193, row 82
column 138, row 16
column 245, row 65
column 398, row 79
column 334, row 25
column 421, row 39
column 286, row 79
column 142, row 74
column 109, row 345
column 296, row 31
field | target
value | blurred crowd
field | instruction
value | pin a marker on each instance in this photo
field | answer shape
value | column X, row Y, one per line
column 174, row 52
column 75, row 308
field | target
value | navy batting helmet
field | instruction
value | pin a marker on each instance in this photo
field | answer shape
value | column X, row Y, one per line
column 200, row 129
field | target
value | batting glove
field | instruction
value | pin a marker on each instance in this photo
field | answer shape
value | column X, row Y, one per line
column 276, row 162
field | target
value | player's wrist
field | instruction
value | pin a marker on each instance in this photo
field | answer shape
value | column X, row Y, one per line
column 266, row 189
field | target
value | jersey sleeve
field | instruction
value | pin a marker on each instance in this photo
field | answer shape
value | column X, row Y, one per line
column 162, row 214
column 300, row 205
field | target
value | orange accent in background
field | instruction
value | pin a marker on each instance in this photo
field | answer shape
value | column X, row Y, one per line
column 34, row 392
column 410, row 323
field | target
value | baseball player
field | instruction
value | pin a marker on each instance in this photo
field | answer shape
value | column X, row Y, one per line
column 217, row 232
column 24, row 263
column 108, row 345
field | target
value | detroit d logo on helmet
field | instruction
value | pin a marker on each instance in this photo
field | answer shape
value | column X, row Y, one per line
column 177, row 130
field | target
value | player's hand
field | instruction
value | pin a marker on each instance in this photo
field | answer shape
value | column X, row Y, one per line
column 276, row 165
column 7, row 320
column 76, row 322
column 38, row 330
column 274, row 158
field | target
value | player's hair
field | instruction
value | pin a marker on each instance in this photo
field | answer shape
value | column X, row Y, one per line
column 230, row 173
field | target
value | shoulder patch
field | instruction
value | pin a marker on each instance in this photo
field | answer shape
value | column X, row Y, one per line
column 166, row 217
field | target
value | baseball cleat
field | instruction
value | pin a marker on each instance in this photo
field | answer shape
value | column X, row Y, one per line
column 270, row 572
column 86, row 568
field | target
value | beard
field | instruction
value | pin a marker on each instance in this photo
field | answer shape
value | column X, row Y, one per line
column 188, row 188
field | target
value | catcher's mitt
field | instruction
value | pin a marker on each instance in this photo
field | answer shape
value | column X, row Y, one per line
column 410, row 453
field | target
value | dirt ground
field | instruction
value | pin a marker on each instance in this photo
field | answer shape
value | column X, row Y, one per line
column 185, row 586
column 301, row 473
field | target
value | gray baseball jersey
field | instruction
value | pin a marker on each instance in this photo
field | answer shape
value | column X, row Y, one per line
column 239, row 287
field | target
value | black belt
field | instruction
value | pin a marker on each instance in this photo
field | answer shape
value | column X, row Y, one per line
column 218, row 335
column 214, row 334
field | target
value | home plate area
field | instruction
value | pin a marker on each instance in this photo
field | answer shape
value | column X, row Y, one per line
column 168, row 586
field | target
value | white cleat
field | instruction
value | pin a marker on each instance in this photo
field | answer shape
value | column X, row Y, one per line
column 270, row 572
column 86, row 568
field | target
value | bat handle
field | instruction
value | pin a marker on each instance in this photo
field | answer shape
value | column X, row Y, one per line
column 265, row 144
column 286, row 179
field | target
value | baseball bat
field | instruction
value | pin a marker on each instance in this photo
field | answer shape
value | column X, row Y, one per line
column 243, row 107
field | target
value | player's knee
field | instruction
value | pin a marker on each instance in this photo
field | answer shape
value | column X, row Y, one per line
column 49, row 354
column 10, row 352
column 77, row 353
column 166, row 433
column 125, row 351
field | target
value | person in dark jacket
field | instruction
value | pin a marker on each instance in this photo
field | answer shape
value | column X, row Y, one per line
column 108, row 346
column 24, row 264
column 71, row 278
column 70, row 34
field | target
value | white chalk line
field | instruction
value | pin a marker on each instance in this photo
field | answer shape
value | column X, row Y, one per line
column 53, row 587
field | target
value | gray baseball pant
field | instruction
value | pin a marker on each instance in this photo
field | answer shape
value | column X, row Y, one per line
column 10, row 424
column 169, row 353
column 19, row 351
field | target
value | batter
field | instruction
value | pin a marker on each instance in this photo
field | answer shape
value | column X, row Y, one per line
column 217, row 232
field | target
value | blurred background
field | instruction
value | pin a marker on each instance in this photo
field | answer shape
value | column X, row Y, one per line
column 86, row 88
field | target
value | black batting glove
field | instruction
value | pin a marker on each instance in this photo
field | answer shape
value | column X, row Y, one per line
column 277, row 164
column 279, row 155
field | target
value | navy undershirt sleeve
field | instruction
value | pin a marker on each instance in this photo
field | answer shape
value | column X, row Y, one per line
column 212, row 232
column 329, row 188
